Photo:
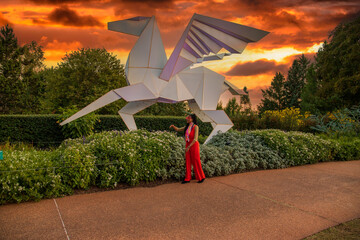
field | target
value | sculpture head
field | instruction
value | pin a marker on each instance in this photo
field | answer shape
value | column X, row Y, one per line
column 132, row 26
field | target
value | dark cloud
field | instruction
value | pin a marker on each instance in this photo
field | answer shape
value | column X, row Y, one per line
column 69, row 17
column 310, row 56
column 101, row 38
column 4, row 21
column 57, row 2
column 257, row 67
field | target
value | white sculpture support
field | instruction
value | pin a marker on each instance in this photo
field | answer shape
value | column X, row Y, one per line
column 152, row 78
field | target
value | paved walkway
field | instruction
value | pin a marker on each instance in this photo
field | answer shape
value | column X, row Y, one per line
column 288, row 203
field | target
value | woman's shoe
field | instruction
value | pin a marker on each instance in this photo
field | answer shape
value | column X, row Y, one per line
column 202, row 180
column 183, row 182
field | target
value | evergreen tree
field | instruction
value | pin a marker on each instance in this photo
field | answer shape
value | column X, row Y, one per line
column 310, row 101
column 20, row 81
column 274, row 96
column 245, row 100
column 232, row 108
column 295, row 81
column 337, row 67
column 10, row 70
column 219, row 106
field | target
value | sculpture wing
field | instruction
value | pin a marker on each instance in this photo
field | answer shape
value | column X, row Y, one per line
column 205, row 35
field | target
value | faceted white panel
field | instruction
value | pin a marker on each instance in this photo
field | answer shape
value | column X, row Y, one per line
column 157, row 51
column 229, row 40
column 99, row 103
column 192, row 80
column 198, row 43
column 135, row 92
column 136, row 75
column 185, row 54
column 128, row 27
column 140, row 54
column 193, row 47
column 213, row 83
column 170, row 91
column 218, row 116
column 215, row 48
column 182, row 91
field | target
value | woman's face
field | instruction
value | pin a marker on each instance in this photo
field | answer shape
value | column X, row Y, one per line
column 188, row 119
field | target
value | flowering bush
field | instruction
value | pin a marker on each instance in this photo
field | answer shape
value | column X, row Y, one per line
column 298, row 148
column 29, row 175
column 290, row 119
column 248, row 151
column 108, row 158
column 122, row 156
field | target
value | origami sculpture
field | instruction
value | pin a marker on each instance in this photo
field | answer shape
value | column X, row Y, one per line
column 152, row 78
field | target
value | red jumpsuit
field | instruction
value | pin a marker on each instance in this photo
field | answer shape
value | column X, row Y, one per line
column 193, row 158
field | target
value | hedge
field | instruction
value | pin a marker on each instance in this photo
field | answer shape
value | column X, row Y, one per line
column 129, row 157
column 44, row 131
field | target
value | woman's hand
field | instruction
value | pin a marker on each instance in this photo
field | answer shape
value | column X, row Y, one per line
column 187, row 149
column 172, row 126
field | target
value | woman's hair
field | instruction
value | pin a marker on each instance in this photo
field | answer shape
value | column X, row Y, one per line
column 194, row 119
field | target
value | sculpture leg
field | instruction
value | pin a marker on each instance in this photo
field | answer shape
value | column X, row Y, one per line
column 218, row 119
column 128, row 111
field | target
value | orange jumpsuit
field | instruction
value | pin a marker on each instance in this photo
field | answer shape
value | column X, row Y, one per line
column 193, row 158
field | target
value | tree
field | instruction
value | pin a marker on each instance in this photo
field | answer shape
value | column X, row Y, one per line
column 20, row 82
column 219, row 106
column 295, row 81
column 309, row 99
column 337, row 67
column 245, row 100
column 274, row 96
column 232, row 108
column 82, row 77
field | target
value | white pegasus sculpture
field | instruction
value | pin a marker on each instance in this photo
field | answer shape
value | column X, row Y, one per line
column 152, row 78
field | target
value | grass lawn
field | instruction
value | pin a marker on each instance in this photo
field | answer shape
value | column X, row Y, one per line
column 348, row 230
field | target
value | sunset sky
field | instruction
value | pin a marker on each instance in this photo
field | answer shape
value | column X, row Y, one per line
column 295, row 27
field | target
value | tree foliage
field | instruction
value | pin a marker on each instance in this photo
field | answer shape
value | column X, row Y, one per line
column 21, row 83
column 295, row 82
column 82, row 77
column 274, row 96
column 232, row 108
column 337, row 70
column 245, row 102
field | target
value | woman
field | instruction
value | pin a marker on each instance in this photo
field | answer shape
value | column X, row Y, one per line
column 192, row 150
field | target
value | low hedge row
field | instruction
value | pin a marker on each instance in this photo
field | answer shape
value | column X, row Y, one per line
column 44, row 131
column 111, row 157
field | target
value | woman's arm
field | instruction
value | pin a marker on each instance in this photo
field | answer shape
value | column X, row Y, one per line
column 177, row 129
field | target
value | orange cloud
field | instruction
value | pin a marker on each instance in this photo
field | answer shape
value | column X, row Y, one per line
column 295, row 27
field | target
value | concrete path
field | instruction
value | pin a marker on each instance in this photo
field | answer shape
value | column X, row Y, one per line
column 288, row 203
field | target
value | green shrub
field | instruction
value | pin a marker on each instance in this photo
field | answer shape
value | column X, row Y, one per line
column 76, row 164
column 347, row 148
column 248, row 150
column 29, row 175
column 108, row 158
column 41, row 130
column 78, row 128
column 298, row 148
column 44, row 130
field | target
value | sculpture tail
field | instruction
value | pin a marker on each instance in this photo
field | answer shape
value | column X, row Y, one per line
column 102, row 101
